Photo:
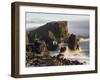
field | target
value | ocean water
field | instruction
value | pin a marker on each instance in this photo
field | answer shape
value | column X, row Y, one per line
column 84, row 52
column 84, row 45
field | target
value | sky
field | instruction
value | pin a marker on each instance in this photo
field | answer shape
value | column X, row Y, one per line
column 77, row 23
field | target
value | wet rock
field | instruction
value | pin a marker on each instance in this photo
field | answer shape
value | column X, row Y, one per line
column 44, row 59
column 51, row 32
column 72, row 42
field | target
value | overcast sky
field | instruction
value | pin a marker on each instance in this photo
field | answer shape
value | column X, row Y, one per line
column 77, row 24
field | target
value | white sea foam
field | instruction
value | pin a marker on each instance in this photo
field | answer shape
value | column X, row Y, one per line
column 84, row 40
column 82, row 55
column 74, row 55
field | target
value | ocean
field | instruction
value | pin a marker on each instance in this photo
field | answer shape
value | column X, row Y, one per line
column 84, row 45
column 84, row 52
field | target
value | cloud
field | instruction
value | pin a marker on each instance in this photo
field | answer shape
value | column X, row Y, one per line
column 78, row 24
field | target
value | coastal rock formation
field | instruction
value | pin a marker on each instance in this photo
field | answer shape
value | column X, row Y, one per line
column 73, row 42
column 37, row 54
column 53, row 61
column 52, row 36
column 51, row 33
column 39, row 48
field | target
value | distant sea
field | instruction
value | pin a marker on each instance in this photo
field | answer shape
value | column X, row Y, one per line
column 84, row 45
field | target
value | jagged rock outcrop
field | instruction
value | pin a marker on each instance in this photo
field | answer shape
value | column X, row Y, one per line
column 37, row 53
column 39, row 48
column 45, row 38
column 73, row 42
column 51, row 33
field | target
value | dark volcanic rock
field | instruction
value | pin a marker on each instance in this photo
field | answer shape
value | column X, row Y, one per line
column 51, row 61
column 37, row 52
column 51, row 33
column 73, row 42
column 45, row 38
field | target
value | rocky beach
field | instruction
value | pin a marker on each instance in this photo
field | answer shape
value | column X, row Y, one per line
column 52, row 45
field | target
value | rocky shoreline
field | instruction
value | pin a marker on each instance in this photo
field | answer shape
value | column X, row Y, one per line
column 37, row 61
column 50, row 37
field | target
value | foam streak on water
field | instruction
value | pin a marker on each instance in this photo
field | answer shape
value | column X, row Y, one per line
column 81, row 55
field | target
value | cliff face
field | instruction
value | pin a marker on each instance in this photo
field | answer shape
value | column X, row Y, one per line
column 50, row 31
column 63, row 29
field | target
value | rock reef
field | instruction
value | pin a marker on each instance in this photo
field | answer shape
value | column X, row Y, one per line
column 51, row 61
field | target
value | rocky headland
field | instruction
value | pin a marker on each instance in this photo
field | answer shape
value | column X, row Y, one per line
column 46, row 38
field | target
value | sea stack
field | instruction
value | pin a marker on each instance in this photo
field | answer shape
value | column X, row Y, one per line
column 73, row 42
